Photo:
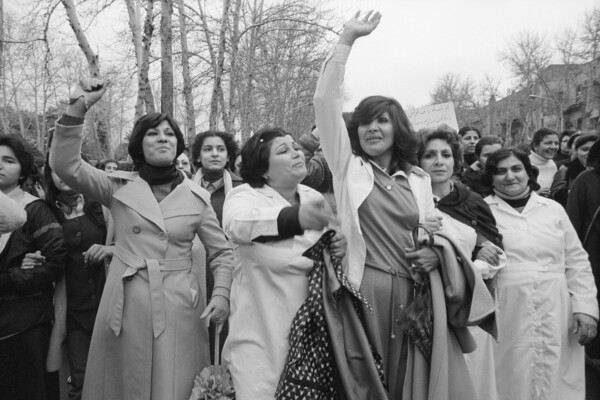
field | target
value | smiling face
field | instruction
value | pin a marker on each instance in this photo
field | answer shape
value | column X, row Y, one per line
column 511, row 177
column 438, row 161
column 160, row 145
column 377, row 138
column 547, row 147
column 213, row 155
column 469, row 141
column 286, row 163
column 10, row 169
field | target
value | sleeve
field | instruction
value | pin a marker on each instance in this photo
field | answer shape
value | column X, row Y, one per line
column 12, row 215
column 47, row 237
column 580, row 280
column 219, row 254
column 560, row 186
column 315, row 172
column 576, row 206
column 65, row 160
column 329, row 101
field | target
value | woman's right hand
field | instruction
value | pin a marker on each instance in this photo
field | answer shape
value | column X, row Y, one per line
column 32, row 260
column 356, row 27
column 84, row 95
column 313, row 215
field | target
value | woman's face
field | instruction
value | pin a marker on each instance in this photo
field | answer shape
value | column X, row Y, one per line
column 60, row 185
column 237, row 164
column 111, row 167
column 160, row 145
column 486, row 152
column 213, row 155
column 437, row 161
column 582, row 152
column 286, row 163
column 547, row 147
column 377, row 137
column 183, row 163
column 10, row 169
column 510, row 177
column 469, row 140
column 564, row 145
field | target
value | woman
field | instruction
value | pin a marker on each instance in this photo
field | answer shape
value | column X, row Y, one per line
column 26, row 286
column 564, row 178
column 183, row 164
column 547, row 307
column 472, row 175
column 272, row 219
column 376, row 181
column 583, row 208
column 469, row 135
column 109, row 165
column 211, row 154
column 12, row 215
column 543, row 148
column 563, row 154
column 149, row 341
column 468, row 219
column 84, row 228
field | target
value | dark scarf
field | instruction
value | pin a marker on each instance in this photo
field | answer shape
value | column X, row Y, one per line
column 574, row 168
column 155, row 175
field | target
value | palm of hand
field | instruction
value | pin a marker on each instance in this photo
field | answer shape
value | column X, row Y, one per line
column 364, row 26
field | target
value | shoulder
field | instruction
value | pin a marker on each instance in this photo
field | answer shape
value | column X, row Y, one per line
column 309, row 192
column 123, row 175
column 197, row 190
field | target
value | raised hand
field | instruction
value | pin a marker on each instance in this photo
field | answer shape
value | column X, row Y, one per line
column 85, row 94
column 358, row 27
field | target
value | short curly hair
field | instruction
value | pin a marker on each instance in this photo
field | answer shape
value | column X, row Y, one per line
column 491, row 166
column 22, row 152
column 230, row 144
column 449, row 136
column 141, row 126
column 255, row 156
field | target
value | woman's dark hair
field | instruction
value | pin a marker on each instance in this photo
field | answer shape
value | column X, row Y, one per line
column 583, row 139
column 449, row 136
column 102, row 163
column 593, row 159
column 230, row 144
column 486, row 141
column 567, row 133
column 462, row 131
column 539, row 135
column 404, row 149
column 140, row 128
column 491, row 166
column 255, row 156
column 22, row 152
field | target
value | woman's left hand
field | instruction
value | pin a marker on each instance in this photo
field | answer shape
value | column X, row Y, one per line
column 338, row 246
column 585, row 327
column 216, row 311
column 32, row 260
column 423, row 260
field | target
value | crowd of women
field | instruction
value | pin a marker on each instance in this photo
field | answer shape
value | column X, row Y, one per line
column 451, row 272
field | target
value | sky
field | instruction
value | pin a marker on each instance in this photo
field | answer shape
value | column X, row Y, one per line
column 418, row 41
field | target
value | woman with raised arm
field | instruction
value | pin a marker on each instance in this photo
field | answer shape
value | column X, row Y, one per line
column 381, row 196
column 149, row 341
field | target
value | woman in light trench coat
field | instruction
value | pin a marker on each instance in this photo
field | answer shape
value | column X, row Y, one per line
column 149, row 341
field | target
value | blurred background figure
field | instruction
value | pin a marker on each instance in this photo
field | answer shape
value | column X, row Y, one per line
column 183, row 164
column 472, row 175
column 544, row 146
column 564, row 152
column 469, row 135
column 109, row 165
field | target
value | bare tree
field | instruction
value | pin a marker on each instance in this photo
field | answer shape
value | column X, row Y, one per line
column 190, row 117
column 166, row 42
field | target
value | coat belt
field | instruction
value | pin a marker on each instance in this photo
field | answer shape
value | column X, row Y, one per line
column 155, row 268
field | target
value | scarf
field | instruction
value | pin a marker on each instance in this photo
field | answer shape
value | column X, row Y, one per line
column 518, row 201
column 156, row 175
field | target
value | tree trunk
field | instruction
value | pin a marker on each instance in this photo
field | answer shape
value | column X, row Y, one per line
column 190, row 119
column 144, row 80
column 92, row 59
column 166, row 40
column 133, row 10
column 2, row 75
column 234, row 73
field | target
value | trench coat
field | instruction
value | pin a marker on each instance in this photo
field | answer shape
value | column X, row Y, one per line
column 547, row 278
column 148, row 340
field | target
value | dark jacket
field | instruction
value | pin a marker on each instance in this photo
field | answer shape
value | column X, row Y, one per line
column 26, row 294
column 563, row 180
column 473, row 180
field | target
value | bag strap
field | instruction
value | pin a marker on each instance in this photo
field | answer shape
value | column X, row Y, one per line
column 590, row 226
column 217, row 353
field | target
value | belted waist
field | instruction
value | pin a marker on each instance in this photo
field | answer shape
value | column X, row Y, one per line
column 154, row 267
column 528, row 267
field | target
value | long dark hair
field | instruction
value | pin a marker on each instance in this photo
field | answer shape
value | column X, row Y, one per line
column 22, row 152
column 491, row 166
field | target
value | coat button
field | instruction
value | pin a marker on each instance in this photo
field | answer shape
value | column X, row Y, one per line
column 162, row 235
column 473, row 222
column 388, row 187
column 93, row 297
column 78, row 234
column 90, row 280
column 136, row 229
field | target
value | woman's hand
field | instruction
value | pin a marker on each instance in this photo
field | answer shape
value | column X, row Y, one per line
column 313, row 215
column 97, row 253
column 32, row 260
column 585, row 326
column 356, row 27
column 85, row 94
column 433, row 222
column 490, row 253
column 544, row 192
column 423, row 260
column 216, row 311
column 338, row 246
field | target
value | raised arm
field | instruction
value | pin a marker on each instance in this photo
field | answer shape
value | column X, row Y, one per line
column 329, row 95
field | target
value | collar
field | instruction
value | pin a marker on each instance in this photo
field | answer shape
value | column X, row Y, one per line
column 537, row 159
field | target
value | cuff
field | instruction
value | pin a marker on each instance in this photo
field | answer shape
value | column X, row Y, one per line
column 68, row 120
column 288, row 223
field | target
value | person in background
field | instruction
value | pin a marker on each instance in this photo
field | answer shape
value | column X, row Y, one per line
column 183, row 164
column 237, row 163
column 318, row 175
column 211, row 154
column 469, row 220
column 564, row 178
column 272, row 219
column 109, row 165
column 471, row 177
column 12, row 215
column 547, row 304
column 544, row 146
column 31, row 261
column 85, row 232
column 564, row 152
column 149, row 340
column 469, row 135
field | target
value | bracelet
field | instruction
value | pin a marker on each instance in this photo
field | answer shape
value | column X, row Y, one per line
column 85, row 101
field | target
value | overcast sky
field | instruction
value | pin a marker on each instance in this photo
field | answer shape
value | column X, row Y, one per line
column 418, row 41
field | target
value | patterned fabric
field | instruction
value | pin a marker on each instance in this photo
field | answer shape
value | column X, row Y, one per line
column 309, row 370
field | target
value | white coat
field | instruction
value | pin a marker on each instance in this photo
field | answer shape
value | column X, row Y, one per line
column 547, row 278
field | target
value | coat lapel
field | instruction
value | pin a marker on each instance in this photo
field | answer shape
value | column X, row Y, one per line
column 138, row 196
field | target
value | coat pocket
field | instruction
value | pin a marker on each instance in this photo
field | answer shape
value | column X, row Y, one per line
column 194, row 288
